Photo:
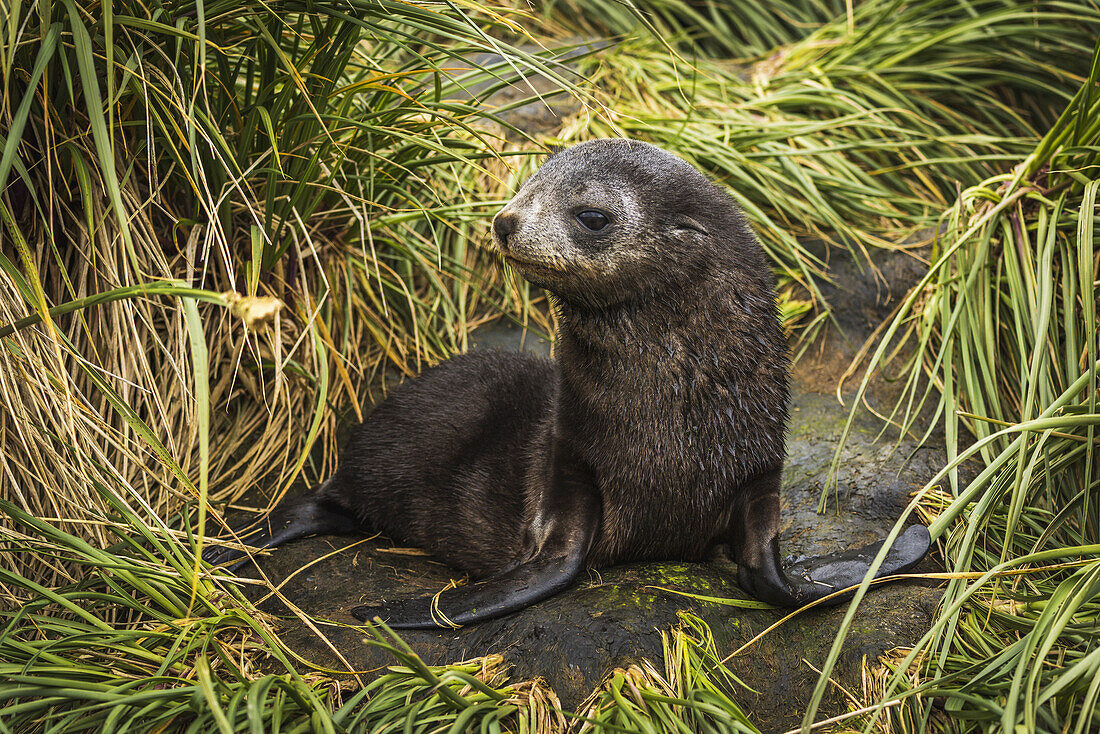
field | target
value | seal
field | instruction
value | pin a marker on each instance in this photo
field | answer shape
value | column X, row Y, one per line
column 657, row 433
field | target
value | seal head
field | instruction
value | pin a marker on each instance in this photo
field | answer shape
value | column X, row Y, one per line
column 612, row 220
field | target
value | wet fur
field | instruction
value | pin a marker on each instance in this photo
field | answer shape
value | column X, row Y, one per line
column 418, row 469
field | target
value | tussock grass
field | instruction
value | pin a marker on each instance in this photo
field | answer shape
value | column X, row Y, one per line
column 220, row 221
column 1006, row 328
column 729, row 29
column 130, row 648
column 320, row 157
column 692, row 694
column 217, row 223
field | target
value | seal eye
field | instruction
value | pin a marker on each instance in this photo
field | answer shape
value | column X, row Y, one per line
column 593, row 220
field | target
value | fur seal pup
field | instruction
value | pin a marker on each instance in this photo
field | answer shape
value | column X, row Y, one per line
column 657, row 433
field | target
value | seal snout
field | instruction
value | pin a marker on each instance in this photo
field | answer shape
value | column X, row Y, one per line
column 504, row 224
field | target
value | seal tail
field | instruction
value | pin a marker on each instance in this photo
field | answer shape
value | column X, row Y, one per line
column 310, row 514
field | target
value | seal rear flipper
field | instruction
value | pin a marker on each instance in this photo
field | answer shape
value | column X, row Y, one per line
column 494, row 597
column 818, row 577
column 309, row 514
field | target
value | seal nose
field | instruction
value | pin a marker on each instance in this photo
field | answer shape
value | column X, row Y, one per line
column 504, row 223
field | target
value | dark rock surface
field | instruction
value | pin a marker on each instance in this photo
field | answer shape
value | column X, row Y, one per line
column 616, row 616
column 535, row 103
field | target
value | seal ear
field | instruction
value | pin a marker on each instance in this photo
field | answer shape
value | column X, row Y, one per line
column 682, row 223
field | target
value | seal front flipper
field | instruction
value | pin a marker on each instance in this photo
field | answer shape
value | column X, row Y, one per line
column 753, row 535
column 564, row 527
column 817, row 577
column 494, row 597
